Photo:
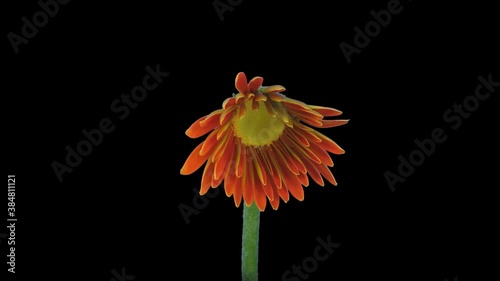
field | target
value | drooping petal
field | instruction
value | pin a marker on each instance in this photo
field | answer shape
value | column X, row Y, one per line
column 229, row 184
column 284, row 160
column 313, row 172
column 304, row 180
column 209, row 143
column 227, row 115
column 326, row 111
column 328, row 144
column 321, row 154
column 260, row 197
column 221, row 164
column 333, row 123
column 259, row 167
column 196, row 131
column 292, row 183
column 240, row 159
column 206, row 178
column 248, row 181
column 238, row 192
column 327, row 174
column 194, row 161
column 212, row 119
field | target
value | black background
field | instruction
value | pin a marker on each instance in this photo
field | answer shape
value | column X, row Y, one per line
column 120, row 206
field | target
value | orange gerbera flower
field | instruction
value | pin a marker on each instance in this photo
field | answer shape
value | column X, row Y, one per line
column 261, row 147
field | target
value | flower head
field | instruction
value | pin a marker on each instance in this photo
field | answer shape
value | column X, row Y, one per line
column 261, row 146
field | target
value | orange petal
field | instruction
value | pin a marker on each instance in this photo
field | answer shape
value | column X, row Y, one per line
column 306, row 117
column 241, row 83
column 300, row 106
column 259, row 167
column 283, row 193
column 275, row 96
column 223, row 146
column 268, row 190
column 307, row 132
column 238, row 97
column 328, row 144
column 194, row 161
column 255, row 104
column 260, row 97
column 229, row 184
column 209, row 143
column 240, row 159
column 313, row 172
column 293, row 184
column 247, row 184
column 326, row 111
column 228, row 102
column 226, row 115
column 270, row 108
column 206, row 179
column 321, row 154
column 272, row 89
column 196, row 131
column 304, row 180
column 275, row 202
column 224, row 130
column 276, row 169
column 255, row 84
column 333, row 123
column 237, row 195
column 216, row 182
column 212, row 118
column 284, row 159
column 242, row 109
column 327, row 174
column 276, row 196
column 259, row 197
column 221, row 165
column 305, row 151
column 296, row 160
column 297, row 135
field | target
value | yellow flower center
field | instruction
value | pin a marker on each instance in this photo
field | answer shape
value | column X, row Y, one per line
column 257, row 127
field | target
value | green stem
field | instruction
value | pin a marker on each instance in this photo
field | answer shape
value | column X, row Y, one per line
column 250, row 243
